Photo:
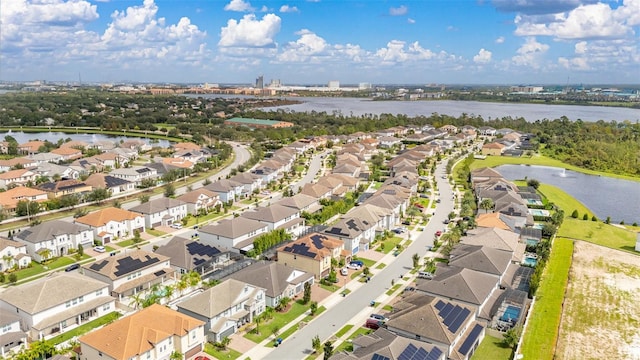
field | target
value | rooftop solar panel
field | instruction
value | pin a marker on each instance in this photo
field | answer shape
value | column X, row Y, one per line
column 377, row 356
column 451, row 315
column 470, row 340
column 434, row 354
column 408, row 352
column 462, row 316
column 440, row 305
column 421, row 354
column 446, row 310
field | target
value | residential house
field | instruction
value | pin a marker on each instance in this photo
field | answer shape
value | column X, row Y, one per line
column 22, row 163
column 269, row 170
column 312, row 253
column 54, row 238
column 178, row 163
column 130, row 272
column 494, row 149
column 30, row 147
column 384, row 344
column 346, row 169
column 200, row 200
column 77, row 144
column 447, row 324
column 68, row 153
column 9, row 199
column 502, row 221
column 355, row 233
column 316, row 191
column 135, row 174
column 162, row 212
column 227, row 190
column 530, row 236
column 451, row 129
column 103, row 145
column 124, row 155
column 482, row 175
column 155, row 332
column 112, row 223
column 115, row 185
column 250, row 182
column 13, row 253
column 236, row 234
column 138, row 145
column 498, row 239
column 186, row 146
column 190, row 255
column 52, row 171
column 483, row 259
column 57, row 303
column 278, row 217
column 470, row 287
column 45, row 157
column 301, row 202
column 225, row 307
column 18, row 177
column 12, row 338
column 487, row 131
column 62, row 188
column 279, row 281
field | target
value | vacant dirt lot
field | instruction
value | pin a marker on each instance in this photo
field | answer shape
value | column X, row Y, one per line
column 601, row 313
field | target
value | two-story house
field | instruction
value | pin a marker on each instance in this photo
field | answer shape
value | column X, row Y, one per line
column 225, row 307
column 278, row 217
column 54, row 238
column 11, row 335
column 9, row 199
column 13, row 253
column 155, row 332
column 131, row 272
column 200, row 200
column 57, row 303
column 189, row 255
column 311, row 253
column 115, row 185
column 111, row 223
column 19, row 177
column 62, row 188
column 162, row 212
column 227, row 190
column 135, row 174
column 236, row 234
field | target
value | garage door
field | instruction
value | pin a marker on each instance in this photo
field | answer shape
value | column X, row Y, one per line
column 192, row 352
column 227, row 333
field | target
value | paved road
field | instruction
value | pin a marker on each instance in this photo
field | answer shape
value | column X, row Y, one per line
column 329, row 322
column 315, row 166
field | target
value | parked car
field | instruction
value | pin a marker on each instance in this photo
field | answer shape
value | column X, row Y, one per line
column 438, row 201
column 438, row 233
column 353, row 266
column 72, row 267
column 378, row 317
column 418, row 205
column 99, row 249
column 424, row 196
column 409, row 288
column 406, row 222
column 425, row 275
column 372, row 324
column 446, row 221
column 176, row 226
column 357, row 262
column 344, row 271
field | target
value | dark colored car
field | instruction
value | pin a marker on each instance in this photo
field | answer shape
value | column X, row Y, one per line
column 72, row 267
column 357, row 262
column 438, row 233
column 372, row 324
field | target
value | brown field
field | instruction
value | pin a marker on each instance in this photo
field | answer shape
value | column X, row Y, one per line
column 601, row 312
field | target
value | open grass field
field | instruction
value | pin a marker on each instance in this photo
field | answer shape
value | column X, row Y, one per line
column 611, row 236
column 601, row 313
column 542, row 331
column 564, row 201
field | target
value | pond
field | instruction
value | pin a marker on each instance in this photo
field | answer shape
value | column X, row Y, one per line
column 22, row 137
column 605, row 196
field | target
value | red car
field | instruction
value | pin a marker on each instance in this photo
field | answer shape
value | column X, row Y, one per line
column 438, row 233
column 202, row 358
column 418, row 205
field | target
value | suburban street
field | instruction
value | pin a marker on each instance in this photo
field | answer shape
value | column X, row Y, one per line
column 355, row 304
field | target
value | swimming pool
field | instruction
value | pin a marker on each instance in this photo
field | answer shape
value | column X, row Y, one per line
column 530, row 261
column 511, row 314
column 539, row 212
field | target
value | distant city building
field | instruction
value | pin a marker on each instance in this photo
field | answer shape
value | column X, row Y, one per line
column 527, row 89
column 257, row 123
column 334, row 84
column 364, row 86
column 275, row 83
column 260, row 82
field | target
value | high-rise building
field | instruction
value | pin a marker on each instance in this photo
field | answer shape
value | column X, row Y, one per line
column 334, row 84
column 260, row 82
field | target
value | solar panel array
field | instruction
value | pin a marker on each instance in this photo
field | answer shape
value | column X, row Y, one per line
column 412, row 352
column 470, row 340
column 128, row 264
column 452, row 316
column 198, row 248
column 377, row 356
column 301, row 249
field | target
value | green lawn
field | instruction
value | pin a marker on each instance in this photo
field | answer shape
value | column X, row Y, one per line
column 542, row 331
column 389, row 244
column 344, row 330
column 279, row 320
column 492, row 348
column 599, row 233
column 564, row 201
column 346, row 345
column 225, row 354
column 381, row 266
column 393, row 289
column 85, row 328
column 36, row 268
column 154, row 232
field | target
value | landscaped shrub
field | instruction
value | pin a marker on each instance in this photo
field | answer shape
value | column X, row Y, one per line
column 594, row 218
column 585, row 217
column 574, row 214
column 608, row 221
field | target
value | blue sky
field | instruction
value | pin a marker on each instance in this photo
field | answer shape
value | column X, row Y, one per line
column 314, row 41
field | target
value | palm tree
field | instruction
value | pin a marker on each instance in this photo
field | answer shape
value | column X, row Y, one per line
column 45, row 253
column 168, row 292
column 176, row 356
column 486, row 205
column 282, row 304
column 416, row 260
column 181, row 286
column 136, row 300
column 9, row 260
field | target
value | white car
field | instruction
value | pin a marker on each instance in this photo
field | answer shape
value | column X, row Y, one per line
column 99, row 249
column 354, row 266
column 344, row 271
column 176, row 226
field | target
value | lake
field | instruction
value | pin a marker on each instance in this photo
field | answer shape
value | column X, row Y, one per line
column 22, row 137
column 605, row 196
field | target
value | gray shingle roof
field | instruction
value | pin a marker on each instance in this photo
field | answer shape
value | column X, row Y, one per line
column 270, row 214
column 47, row 231
column 157, row 205
column 233, row 228
column 461, row 284
column 271, row 276
column 219, row 298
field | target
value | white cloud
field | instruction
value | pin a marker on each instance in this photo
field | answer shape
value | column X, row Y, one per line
column 584, row 22
column 311, row 48
column 483, row 57
column 288, row 9
column 135, row 17
column 239, row 5
column 581, row 47
column 399, row 11
column 411, row 21
column 500, row 40
column 530, row 53
column 395, row 53
column 250, row 32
